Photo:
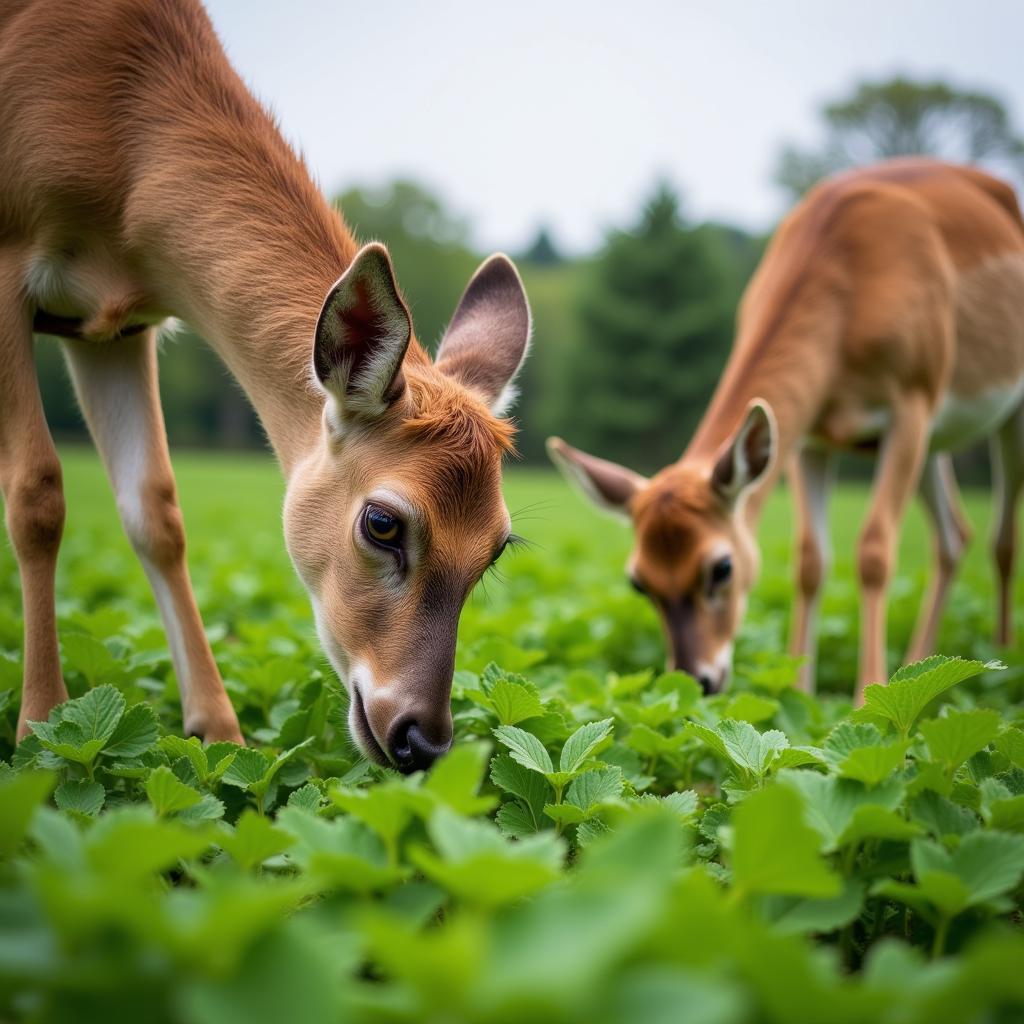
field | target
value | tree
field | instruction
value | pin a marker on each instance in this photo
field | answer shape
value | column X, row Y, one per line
column 542, row 251
column 901, row 117
column 656, row 311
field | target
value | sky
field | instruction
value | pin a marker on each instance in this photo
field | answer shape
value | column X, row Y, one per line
column 567, row 113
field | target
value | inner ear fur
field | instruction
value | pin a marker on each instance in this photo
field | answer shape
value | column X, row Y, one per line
column 362, row 335
column 489, row 335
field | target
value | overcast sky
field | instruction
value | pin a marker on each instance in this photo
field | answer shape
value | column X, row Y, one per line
column 567, row 112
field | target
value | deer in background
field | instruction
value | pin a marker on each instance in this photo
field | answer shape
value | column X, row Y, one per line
column 887, row 316
column 140, row 179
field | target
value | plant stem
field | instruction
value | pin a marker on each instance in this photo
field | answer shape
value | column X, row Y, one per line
column 941, row 931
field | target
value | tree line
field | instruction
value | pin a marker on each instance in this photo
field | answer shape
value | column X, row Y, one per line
column 628, row 341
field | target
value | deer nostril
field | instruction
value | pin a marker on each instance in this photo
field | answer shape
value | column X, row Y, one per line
column 706, row 684
column 411, row 750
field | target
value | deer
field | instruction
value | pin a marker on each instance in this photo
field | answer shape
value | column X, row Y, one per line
column 885, row 317
column 140, row 181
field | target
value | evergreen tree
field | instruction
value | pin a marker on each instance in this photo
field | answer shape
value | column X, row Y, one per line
column 656, row 323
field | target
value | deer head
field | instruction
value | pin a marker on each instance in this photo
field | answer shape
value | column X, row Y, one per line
column 694, row 557
column 398, row 510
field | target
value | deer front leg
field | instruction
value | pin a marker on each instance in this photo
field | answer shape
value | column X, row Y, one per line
column 896, row 477
column 810, row 475
column 1008, row 470
column 116, row 384
column 941, row 498
column 30, row 478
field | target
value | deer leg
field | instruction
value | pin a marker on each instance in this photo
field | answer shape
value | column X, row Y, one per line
column 1008, row 470
column 30, row 478
column 941, row 498
column 810, row 475
column 116, row 384
column 896, row 476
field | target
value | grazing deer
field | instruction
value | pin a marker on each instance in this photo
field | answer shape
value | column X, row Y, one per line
column 887, row 316
column 140, row 179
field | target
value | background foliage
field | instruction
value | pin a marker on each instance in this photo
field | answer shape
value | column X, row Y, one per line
column 629, row 340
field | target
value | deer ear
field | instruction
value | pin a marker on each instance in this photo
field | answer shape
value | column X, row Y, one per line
column 361, row 337
column 609, row 486
column 487, row 339
column 748, row 455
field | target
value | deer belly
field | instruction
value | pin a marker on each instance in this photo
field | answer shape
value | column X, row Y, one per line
column 963, row 420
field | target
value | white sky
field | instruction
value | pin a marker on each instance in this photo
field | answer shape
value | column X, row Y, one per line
column 567, row 112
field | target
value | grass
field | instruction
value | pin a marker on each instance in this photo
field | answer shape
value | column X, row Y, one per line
column 603, row 843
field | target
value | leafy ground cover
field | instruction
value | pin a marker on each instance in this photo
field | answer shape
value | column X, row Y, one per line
column 603, row 844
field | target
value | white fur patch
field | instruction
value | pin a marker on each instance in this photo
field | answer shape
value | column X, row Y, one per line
column 962, row 421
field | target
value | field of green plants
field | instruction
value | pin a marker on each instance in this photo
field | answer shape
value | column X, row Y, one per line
column 603, row 844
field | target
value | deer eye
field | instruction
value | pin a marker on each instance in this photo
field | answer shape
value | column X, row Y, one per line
column 721, row 572
column 382, row 527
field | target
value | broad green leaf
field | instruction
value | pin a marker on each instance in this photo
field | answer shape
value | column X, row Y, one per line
column 750, row 707
column 531, row 788
column 338, row 854
column 683, row 804
column 915, row 686
column 96, row 713
column 582, row 743
column 872, row 765
column 192, row 749
column 525, row 748
column 1010, row 743
column 594, row 787
column 20, row 795
column 167, row 794
column 955, row 737
column 801, row 916
column 247, row 769
column 253, row 840
column 940, row 816
column 307, row 798
column 796, row 757
column 989, row 863
column 514, row 702
column 129, row 843
column 136, row 733
column 871, row 821
column 847, row 737
column 479, row 866
column 81, row 796
column 386, row 808
column 831, row 803
column 1007, row 815
column 742, row 744
column 775, row 851
column 90, row 657
column 515, row 820
column 455, row 779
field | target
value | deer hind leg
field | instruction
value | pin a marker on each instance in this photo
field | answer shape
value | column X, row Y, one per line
column 941, row 498
column 810, row 474
column 898, row 471
column 116, row 384
column 1008, row 467
column 30, row 478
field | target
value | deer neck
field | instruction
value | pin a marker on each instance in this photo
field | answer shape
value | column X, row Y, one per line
column 245, row 248
column 789, row 365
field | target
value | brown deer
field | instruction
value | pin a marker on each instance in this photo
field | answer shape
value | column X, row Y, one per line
column 140, row 179
column 886, row 316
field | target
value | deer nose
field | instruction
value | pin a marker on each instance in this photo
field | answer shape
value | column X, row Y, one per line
column 411, row 749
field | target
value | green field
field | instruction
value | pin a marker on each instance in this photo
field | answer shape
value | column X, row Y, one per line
column 634, row 852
